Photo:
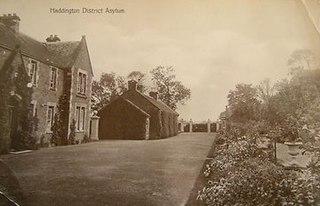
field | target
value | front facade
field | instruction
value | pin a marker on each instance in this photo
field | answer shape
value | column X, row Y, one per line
column 135, row 113
column 55, row 68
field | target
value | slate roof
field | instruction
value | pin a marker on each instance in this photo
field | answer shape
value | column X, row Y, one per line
column 159, row 104
column 68, row 51
column 60, row 54
column 135, row 106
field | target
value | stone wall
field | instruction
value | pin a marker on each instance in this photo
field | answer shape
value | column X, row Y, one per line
column 82, row 64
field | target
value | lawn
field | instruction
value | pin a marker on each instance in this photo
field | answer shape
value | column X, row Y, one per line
column 160, row 172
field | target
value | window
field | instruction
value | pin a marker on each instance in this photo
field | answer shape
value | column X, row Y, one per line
column 53, row 78
column 50, row 118
column 34, row 108
column 80, row 118
column 82, row 83
column 33, row 72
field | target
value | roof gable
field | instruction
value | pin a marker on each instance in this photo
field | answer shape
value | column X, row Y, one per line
column 120, row 98
column 59, row 54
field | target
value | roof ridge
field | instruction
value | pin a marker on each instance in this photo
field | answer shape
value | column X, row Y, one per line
column 60, row 42
column 161, row 102
column 148, row 98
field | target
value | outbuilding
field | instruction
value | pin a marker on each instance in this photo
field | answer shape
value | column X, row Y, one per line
column 134, row 115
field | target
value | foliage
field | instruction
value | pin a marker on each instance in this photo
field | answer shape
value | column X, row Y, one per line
column 106, row 89
column 241, row 174
column 301, row 59
column 86, row 138
column 25, row 137
column 170, row 91
column 5, row 88
column 61, row 118
column 55, row 138
column 72, row 134
column 243, row 103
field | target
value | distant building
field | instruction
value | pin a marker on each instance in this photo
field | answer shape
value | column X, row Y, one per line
column 51, row 66
column 134, row 115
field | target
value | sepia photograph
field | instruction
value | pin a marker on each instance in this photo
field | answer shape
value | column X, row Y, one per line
column 160, row 103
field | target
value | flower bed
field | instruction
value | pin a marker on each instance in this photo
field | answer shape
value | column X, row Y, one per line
column 242, row 174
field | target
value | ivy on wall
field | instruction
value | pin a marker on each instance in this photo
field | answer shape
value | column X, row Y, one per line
column 61, row 119
column 5, row 88
column 25, row 136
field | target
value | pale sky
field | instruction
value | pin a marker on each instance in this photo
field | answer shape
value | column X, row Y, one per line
column 212, row 44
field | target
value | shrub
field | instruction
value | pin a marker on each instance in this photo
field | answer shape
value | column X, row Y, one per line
column 241, row 174
column 234, row 153
column 86, row 139
column 257, row 182
column 24, row 140
column 220, row 139
column 72, row 134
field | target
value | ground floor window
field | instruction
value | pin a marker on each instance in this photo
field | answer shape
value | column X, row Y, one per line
column 80, row 118
column 50, row 118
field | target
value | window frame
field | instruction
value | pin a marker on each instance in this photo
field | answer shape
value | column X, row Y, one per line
column 53, row 78
column 80, row 117
column 51, row 120
column 34, row 71
column 82, row 82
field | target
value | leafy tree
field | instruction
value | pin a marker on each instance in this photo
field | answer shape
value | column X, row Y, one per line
column 170, row 91
column 106, row 89
column 244, row 103
column 140, row 78
column 301, row 59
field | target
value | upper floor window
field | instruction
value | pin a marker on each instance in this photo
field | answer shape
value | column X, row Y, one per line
column 53, row 78
column 82, row 83
column 33, row 71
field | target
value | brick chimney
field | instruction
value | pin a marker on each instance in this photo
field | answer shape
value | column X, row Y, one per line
column 154, row 95
column 52, row 38
column 11, row 21
column 132, row 85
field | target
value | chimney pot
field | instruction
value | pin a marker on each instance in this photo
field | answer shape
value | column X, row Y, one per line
column 53, row 38
column 11, row 21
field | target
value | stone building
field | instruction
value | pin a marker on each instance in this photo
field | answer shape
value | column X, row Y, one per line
column 134, row 115
column 55, row 68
